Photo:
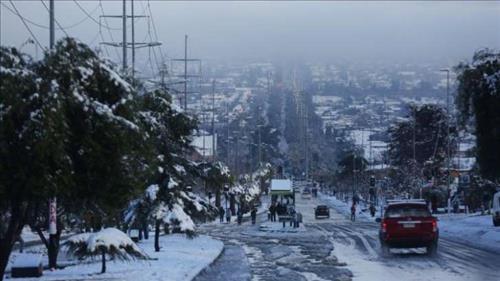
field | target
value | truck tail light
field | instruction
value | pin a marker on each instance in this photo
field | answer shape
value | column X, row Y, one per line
column 434, row 226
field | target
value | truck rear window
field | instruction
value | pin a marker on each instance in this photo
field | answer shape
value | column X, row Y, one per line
column 407, row 211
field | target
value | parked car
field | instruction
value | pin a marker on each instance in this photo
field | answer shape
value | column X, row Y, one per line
column 321, row 211
column 306, row 193
column 408, row 224
column 495, row 209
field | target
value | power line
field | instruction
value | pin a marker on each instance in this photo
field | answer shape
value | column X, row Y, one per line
column 46, row 27
column 26, row 25
column 109, row 31
column 24, row 18
column 154, row 29
column 47, row 8
column 93, row 19
column 84, row 19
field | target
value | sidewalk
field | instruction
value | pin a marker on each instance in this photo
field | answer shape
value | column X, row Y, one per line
column 473, row 229
column 180, row 259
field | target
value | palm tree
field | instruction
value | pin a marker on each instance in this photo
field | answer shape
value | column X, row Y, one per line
column 109, row 241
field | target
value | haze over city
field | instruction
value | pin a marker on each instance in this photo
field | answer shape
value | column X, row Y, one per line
column 316, row 31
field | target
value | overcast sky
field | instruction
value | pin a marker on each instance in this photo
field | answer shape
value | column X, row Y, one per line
column 394, row 31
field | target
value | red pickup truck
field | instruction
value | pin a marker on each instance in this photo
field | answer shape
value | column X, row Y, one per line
column 408, row 224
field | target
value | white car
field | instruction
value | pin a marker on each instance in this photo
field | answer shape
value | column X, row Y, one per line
column 495, row 209
column 306, row 194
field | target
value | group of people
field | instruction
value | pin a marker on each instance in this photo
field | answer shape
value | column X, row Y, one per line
column 276, row 209
column 287, row 211
column 239, row 215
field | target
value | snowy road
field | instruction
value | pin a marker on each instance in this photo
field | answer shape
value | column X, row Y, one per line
column 337, row 249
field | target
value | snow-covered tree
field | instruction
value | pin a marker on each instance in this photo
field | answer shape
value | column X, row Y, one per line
column 33, row 162
column 478, row 99
column 426, row 127
column 168, row 199
column 216, row 175
column 67, row 130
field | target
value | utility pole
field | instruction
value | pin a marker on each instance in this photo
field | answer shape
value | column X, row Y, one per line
column 53, row 237
column 51, row 24
column 413, row 144
column 213, row 120
column 306, row 134
column 124, row 41
column 227, row 135
column 133, row 39
column 185, row 75
column 448, row 135
column 185, row 71
column 260, row 144
column 124, row 44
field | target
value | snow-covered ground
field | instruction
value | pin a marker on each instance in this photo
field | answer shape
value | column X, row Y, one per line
column 473, row 229
column 180, row 258
column 356, row 244
column 362, row 212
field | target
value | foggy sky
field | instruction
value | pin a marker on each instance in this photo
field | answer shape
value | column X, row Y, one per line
column 396, row 31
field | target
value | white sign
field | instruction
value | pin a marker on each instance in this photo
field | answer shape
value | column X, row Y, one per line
column 52, row 216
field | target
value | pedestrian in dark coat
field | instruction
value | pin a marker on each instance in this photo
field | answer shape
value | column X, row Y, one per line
column 253, row 214
column 272, row 209
column 228, row 215
column 239, row 215
column 221, row 214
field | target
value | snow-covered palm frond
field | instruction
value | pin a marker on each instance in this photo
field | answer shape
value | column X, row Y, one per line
column 110, row 241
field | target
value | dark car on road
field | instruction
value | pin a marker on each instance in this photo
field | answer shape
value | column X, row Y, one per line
column 321, row 211
column 408, row 224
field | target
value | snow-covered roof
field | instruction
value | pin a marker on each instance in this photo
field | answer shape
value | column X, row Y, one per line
column 281, row 186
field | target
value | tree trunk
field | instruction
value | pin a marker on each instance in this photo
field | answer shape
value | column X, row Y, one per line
column 217, row 198
column 145, row 229
column 157, row 235
column 103, row 253
column 53, row 250
column 16, row 223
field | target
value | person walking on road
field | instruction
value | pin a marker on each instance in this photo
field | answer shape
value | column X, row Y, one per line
column 272, row 210
column 228, row 215
column 353, row 211
column 253, row 214
column 221, row 214
column 239, row 215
